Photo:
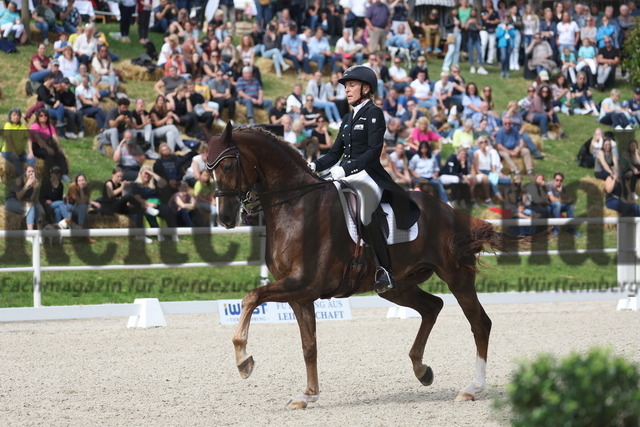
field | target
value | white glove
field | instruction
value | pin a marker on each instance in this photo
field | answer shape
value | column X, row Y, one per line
column 312, row 166
column 337, row 173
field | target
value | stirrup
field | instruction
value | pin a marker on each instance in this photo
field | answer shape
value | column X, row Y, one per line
column 384, row 281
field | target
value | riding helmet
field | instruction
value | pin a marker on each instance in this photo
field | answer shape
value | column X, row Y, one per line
column 363, row 74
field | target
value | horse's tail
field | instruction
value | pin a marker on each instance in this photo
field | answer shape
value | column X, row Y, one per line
column 466, row 246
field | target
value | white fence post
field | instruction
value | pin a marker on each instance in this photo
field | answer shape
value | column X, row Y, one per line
column 37, row 279
column 264, row 271
column 626, row 266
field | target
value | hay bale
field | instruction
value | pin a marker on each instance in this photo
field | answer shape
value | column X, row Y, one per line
column 602, row 212
column 538, row 142
column 108, row 149
column 260, row 115
column 110, row 221
column 594, row 187
column 530, row 128
column 31, row 101
column 138, row 73
column 265, row 65
column 90, row 126
column 22, row 87
column 11, row 221
column 1, row 94
column 8, row 171
column 121, row 89
column 519, row 164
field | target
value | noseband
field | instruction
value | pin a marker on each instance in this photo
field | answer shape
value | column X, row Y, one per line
column 244, row 196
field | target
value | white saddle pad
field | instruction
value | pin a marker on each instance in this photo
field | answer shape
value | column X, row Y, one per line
column 396, row 235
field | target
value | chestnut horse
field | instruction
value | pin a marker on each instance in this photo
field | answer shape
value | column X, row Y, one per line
column 308, row 247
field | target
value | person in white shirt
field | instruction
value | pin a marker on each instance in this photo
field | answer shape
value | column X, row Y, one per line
column 345, row 44
column 399, row 75
column 443, row 89
column 86, row 45
column 295, row 101
column 422, row 91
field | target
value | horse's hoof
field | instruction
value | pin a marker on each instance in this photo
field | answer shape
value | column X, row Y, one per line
column 296, row 404
column 465, row 397
column 246, row 368
column 427, row 377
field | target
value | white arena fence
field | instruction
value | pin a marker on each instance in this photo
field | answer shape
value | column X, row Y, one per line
column 627, row 251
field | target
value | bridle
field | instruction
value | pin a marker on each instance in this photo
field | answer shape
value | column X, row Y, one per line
column 247, row 198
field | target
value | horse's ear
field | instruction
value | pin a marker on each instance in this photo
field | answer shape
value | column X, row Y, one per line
column 226, row 133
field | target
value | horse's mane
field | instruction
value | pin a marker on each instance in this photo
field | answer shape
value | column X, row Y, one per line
column 285, row 150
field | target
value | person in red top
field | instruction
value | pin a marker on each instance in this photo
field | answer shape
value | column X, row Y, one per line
column 39, row 65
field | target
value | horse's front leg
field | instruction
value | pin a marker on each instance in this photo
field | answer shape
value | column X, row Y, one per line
column 244, row 362
column 306, row 316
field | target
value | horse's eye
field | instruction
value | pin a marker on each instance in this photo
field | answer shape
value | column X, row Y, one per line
column 227, row 168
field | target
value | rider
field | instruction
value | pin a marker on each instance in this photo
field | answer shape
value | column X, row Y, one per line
column 357, row 149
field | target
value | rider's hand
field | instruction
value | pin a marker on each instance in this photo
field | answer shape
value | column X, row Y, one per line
column 337, row 173
column 312, row 166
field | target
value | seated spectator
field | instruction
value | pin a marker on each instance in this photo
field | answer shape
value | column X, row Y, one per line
column 79, row 201
column 322, row 134
column 615, row 201
column 320, row 52
column 487, row 169
column 146, row 190
column 455, row 173
column 541, row 55
column 509, row 144
column 292, row 49
column 309, row 114
column 568, row 67
column 405, row 98
column 103, row 68
column 560, row 94
column 404, row 39
column 392, row 133
column 184, row 207
column 197, row 166
column 420, row 65
column 86, row 46
column 633, row 106
column 116, row 197
column 69, row 15
column 221, row 95
column 73, row 116
column 346, row 45
column 607, row 30
column 471, row 101
column 525, row 102
column 443, row 90
column 608, row 59
column 142, row 128
column 171, row 45
column 68, row 63
column 423, row 133
column 295, row 101
column 17, row 145
column 39, row 64
column 631, row 173
column 289, row 135
column 205, row 112
column 422, row 91
column 45, row 20
column 540, row 111
column 118, row 119
column 399, row 164
column 163, row 123
column 537, row 195
column 390, row 105
column 10, row 22
column 129, row 156
column 165, row 13
column 278, row 111
column 560, row 201
column 250, row 94
column 320, row 100
column 513, row 113
column 411, row 114
column 399, row 77
column 169, row 167
column 272, row 49
column 48, row 96
column 46, row 144
column 424, row 166
column 587, row 57
column 23, row 198
column 483, row 115
column 179, row 102
column 335, row 92
column 463, row 135
column 376, row 63
column 582, row 95
column 606, row 162
column 176, row 60
column 52, row 199
column 88, row 99
column 612, row 113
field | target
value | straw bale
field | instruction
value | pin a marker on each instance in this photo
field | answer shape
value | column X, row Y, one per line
column 110, row 221
column 8, row 171
column 90, row 126
column 108, row 149
column 594, row 187
column 265, row 65
column 121, row 89
column 519, row 164
column 538, row 142
column 530, row 128
column 1, row 95
column 22, row 87
column 260, row 115
column 11, row 221
column 138, row 73
column 602, row 212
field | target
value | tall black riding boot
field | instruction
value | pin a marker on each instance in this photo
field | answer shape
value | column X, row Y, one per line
column 374, row 237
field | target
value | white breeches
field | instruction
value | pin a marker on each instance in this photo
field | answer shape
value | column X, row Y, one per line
column 369, row 192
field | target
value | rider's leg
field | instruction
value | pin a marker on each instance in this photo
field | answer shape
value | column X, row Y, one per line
column 375, row 237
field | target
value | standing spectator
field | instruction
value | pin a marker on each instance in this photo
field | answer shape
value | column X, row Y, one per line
column 608, row 58
column 560, row 201
column 17, row 145
column 548, row 31
column 250, row 94
column 454, row 39
column 265, row 12
column 568, row 33
column 606, row 30
column 474, row 45
column 431, row 29
column 45, row 20
column 531, row 24
column 229, row 14
column 145, row 8
column 516, row 20
column 510, row 144
column 505, row 35
column 490, row 21
column 88, row 99
column 377, row 21
column 589, row 31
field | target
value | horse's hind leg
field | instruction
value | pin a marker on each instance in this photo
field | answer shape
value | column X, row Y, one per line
column 462, row 285
column 429, row 307
column 305, row 315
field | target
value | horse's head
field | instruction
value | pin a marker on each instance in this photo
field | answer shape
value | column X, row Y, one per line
column 233, row 181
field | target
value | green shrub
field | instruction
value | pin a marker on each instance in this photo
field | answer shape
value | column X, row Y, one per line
column 596, row 389
column 631, row 54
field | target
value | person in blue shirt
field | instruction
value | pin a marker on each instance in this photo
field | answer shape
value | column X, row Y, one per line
column 510, row 144
column 292, row 48
column 319, row 52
